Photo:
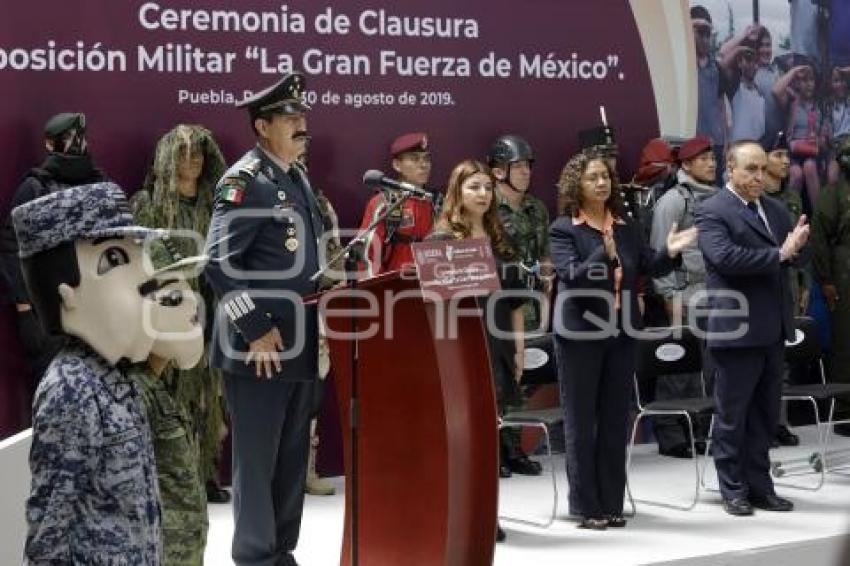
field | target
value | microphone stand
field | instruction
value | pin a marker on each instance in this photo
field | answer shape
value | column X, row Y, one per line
column 353, row 253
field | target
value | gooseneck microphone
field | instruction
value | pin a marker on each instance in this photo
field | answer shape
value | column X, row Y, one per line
column 375, row 178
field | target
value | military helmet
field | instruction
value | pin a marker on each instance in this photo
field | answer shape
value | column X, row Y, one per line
column 509, row 148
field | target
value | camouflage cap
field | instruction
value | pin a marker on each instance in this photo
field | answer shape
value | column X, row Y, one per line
column 98, row 210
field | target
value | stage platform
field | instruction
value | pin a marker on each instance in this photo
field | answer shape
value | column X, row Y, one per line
column 815, row 534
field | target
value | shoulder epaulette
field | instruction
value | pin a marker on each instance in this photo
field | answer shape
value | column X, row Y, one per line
column 249, row 166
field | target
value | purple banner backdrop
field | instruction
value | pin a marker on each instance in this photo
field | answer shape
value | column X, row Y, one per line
column 463, row 72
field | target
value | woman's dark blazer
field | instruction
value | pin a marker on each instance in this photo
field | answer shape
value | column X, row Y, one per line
column 583, row 267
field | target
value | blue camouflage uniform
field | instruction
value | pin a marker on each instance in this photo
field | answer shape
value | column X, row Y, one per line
column 263, row 241
column 94, row 498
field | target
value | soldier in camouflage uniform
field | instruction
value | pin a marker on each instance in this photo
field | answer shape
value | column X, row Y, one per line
column 526, row 224
column 177, row 195
column 525, row 219
column 94, row 497
column 181, row 488
column 831, row 246
column 776, row 186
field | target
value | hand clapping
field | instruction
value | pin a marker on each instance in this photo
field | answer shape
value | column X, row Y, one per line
column 795, row 240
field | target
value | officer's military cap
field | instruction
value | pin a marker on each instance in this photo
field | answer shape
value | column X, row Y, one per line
column 415, row 141
column 601, row 137
column 509, row 148
column 99, row 210
column 61, row 123
column 285, row 96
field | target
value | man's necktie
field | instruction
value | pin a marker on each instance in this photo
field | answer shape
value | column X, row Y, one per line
column 755, row 210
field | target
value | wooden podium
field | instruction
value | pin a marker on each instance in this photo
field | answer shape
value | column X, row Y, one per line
column 427, row 436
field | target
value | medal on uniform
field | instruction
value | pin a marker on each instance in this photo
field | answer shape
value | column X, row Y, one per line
column 281, row 195
column 291, row 244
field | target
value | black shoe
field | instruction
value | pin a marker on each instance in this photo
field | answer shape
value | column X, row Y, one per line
column 525, row 466
column 593, row 524
column 500, row 534
column 785, row 437
column 738, row 506
column 841, row 429
column 216, row 494
column 678, row 451
column 505, row 471
column 771, row 503
column 616, row 521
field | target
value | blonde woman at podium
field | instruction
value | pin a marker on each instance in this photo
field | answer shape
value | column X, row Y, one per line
column 470, row 211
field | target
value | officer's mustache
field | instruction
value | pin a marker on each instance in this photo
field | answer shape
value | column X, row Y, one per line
column 301, row 135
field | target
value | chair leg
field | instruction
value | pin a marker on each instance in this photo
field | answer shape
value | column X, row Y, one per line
column 638, row 417
column 833, row 469
column 551, row 519
column 817, row 460
column 708, row 442
column 696, row 462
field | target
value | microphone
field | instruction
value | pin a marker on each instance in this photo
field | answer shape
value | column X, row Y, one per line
column 375, row 178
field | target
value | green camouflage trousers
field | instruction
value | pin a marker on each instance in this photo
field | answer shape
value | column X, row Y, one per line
column 181, row 489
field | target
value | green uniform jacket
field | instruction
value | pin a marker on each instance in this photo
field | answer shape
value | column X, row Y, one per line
column 831, row 237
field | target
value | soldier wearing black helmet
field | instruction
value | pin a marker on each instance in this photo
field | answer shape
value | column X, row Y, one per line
column 524, row 217
column 526, row 223
column 68, row 163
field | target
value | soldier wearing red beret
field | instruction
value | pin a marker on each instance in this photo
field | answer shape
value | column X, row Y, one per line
column 389, row 244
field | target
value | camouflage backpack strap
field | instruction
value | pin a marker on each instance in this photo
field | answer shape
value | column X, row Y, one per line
column 232, row 188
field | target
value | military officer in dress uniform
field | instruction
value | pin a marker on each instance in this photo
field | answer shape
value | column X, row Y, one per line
column 263, row 249
column 388, row 245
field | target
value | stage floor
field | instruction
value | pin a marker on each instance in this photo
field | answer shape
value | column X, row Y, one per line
column 813, row 534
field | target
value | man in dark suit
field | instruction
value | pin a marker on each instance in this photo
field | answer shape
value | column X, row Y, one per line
column 749, row 245
column 263, row 248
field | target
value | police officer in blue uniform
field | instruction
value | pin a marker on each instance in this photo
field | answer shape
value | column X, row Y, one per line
column 263, row 245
